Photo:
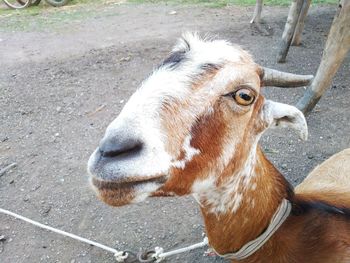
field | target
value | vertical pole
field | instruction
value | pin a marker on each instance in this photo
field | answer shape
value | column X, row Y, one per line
column 337, row 46
column 289, row 30
column 257, row 12
column 301, row 22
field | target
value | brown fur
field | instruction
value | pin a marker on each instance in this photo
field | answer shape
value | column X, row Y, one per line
column 204, row 130
column 228, row 232
column 312, row 236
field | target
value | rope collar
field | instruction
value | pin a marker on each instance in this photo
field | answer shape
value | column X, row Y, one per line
column 254, row 245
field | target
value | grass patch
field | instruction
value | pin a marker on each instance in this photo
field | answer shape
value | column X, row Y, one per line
column 221, row 3
column 48, row 18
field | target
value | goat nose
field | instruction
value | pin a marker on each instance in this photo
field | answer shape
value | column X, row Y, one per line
column 113, row 147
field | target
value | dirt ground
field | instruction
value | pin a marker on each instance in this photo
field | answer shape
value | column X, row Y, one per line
column 60, row 88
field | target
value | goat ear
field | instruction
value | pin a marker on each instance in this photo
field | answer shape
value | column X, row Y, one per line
column 282, row 115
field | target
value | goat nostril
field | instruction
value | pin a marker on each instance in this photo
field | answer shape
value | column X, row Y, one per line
column 112, row 148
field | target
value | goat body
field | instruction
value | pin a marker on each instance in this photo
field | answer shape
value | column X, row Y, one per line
column 318, row 229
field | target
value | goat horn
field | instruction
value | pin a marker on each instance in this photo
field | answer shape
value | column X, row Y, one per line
column 272, row 77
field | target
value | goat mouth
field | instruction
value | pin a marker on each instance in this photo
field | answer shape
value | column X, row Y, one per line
column 128, row 182
column 126, row 191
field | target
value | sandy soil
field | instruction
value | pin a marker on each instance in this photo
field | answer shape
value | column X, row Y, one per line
column 51, row 84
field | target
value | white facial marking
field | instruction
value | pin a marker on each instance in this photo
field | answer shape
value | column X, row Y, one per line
column 189, row 151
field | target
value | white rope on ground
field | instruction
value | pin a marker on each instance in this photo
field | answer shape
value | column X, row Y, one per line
column 120, row 256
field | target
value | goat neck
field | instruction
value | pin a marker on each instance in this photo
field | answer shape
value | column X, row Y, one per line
column 230, row 230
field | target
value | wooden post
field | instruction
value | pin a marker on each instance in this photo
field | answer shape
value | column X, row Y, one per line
column 337, row 46
column 301, row 21
column 257, row 12
column 289, row 29
column 255, row 22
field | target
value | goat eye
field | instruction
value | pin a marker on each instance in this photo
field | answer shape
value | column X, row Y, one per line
column 244, row 97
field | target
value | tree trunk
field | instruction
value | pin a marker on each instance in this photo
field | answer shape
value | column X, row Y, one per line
column 337, row 46
column 301, row 21
column 257, row 12
column 289, row 29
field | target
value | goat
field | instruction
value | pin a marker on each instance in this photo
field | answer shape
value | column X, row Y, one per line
column 193, row 127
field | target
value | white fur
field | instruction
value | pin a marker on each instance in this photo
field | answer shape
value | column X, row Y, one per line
column 229, row 147
column 253, row 187
column 202, row 186
column 283, row 115
column 228, row 196
column 190, row 152
column 209, row 51
column 144, row 191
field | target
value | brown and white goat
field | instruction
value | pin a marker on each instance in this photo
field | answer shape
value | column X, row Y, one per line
column 193, row 128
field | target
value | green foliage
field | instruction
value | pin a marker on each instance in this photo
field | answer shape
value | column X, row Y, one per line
column 46, row 18
column 220, row 3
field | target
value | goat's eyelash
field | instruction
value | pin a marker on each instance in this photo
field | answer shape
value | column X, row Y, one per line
column 239, row 87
